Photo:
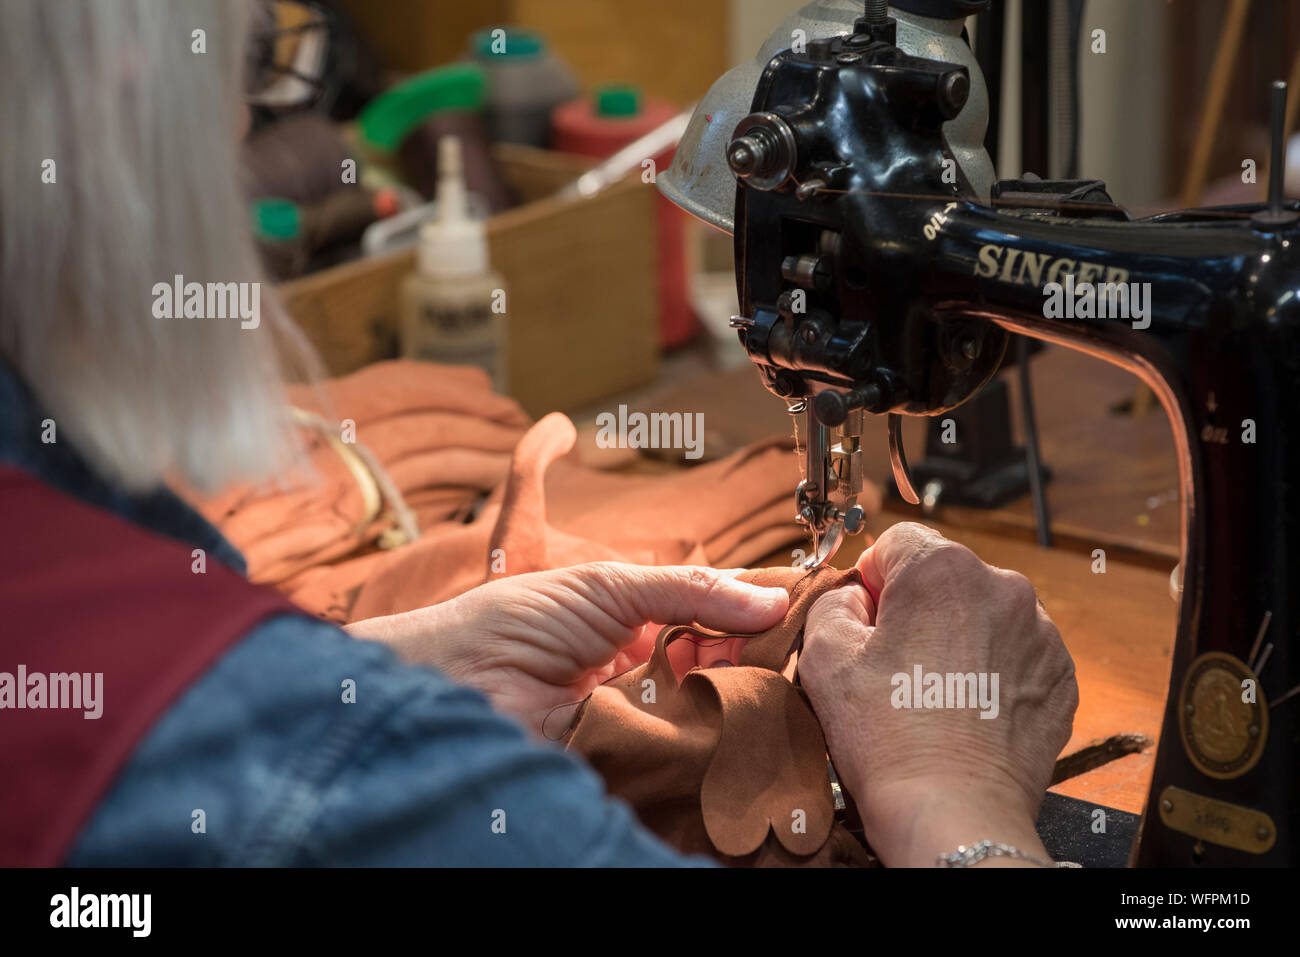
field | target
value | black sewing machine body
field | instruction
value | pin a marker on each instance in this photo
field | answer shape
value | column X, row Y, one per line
column 868, row 272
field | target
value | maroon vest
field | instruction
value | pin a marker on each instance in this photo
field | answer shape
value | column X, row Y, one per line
column 84, row 592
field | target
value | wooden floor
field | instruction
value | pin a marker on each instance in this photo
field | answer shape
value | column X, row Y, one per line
column 1114, row 488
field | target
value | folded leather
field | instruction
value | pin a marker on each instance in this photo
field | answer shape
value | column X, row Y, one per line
column 492, row 496
column 442, row 436
column 728, row 761
column 551, row 512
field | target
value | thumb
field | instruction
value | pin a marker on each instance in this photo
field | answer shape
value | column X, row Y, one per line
column 895, row 547
column 839, row 618
column 686, row 594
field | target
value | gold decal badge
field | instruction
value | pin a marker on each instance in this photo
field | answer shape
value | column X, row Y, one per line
column 1222, row 715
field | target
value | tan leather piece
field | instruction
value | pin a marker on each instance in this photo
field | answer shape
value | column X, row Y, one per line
column 484, row 485
column 720, row 762
column 552, row 512
column 768, row 772
column 523, row 542
column 439, row 432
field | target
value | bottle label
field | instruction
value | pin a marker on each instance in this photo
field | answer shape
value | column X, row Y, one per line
column 457, row 322
column 471, row 335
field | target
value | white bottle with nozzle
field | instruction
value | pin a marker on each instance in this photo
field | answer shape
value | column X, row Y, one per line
column 453, row 305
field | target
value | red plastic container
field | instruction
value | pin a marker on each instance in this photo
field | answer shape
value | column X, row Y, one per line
column 601, row 125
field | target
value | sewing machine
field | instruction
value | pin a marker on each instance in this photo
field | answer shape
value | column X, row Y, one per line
column 881, row 270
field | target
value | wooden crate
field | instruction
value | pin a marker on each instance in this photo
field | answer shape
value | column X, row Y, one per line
column 582, row 304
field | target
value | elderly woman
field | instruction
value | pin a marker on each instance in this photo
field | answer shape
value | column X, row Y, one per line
column 220, row 733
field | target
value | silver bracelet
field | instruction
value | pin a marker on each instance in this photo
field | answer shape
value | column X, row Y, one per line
column 967, row 856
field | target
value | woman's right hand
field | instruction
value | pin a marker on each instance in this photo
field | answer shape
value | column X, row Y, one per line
column 929, row 779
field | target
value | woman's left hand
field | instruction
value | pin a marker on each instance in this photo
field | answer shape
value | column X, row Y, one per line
column 537, row 641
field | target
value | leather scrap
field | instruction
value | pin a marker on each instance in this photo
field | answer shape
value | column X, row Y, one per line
column 767, row 775
column 728, row 761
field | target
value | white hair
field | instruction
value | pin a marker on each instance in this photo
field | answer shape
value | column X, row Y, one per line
column 142, row 132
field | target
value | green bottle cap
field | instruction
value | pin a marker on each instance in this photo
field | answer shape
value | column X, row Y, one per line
column 276, row 220
column 390, row 117
column 618, row 101
column 512, row 43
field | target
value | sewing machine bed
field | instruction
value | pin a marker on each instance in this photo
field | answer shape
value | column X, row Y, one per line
column 1065, row 825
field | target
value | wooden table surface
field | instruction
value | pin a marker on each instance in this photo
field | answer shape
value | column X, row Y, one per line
column 1118, row 627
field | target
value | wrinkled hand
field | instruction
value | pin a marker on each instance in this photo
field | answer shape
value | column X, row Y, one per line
column 537, row 641
column 927, row 780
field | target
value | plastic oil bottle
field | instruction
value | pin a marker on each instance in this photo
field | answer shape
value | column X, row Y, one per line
column 453, row 305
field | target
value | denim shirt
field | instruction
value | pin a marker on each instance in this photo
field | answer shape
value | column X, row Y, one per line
column 418, row 771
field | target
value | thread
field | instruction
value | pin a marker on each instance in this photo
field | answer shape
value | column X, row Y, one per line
column 1031, row 204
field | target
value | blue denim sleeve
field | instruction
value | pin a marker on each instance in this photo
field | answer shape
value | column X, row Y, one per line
column 264, row 762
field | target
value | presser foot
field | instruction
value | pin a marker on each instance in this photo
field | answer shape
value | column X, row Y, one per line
column 825, row 545
column 827, row 499
column 827, row 522
column 828, row 538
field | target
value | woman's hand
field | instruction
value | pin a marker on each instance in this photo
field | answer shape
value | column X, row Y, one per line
column 534, row 642
column 929, row 779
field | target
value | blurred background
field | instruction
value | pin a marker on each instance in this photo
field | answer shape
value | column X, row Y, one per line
column 579, row 291
column 537, row 91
